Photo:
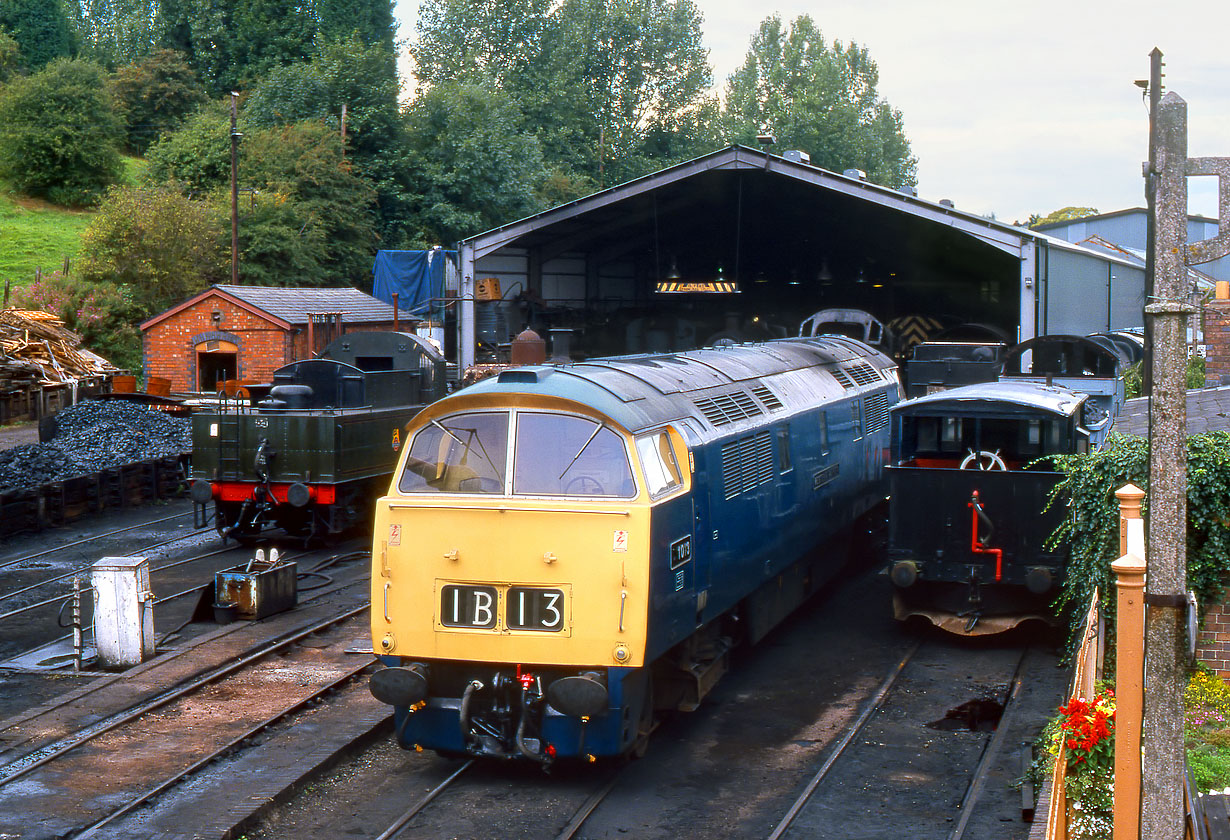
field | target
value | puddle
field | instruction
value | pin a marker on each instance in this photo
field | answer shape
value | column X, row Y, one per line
column 981, row 715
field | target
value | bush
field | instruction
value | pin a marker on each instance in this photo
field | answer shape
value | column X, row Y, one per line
column 1206, row 726
column 58, row 134
column 1092, row 528
column 156, row 244
column 103, row 314
column 197, row 157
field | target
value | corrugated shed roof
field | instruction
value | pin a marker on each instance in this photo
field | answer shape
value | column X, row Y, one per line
column 295, row 305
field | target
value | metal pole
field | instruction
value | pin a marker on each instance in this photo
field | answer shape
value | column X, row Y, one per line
column 235, row 135
column 1162, row 810
column 77, row 641
column 1155, row 96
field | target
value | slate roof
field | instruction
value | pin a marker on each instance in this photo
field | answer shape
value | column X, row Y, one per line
column 1208, row 410
column 295, row 305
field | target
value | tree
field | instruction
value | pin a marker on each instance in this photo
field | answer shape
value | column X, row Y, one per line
column 232, row 44
column 370, row 21
column 294, row 171
column 470, row 164
column 617, row 73
column 345, row 72
column 818, row 98
column 606, row 85
column 10, row 56
column 480, row 41
column 155, row 95
column 115, row 32
column 1064, row 214
column 41, row 29
column 157, row 244
column 303, row 162
column 58, row 133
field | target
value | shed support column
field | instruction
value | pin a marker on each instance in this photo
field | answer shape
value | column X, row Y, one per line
column 465, row 312
column 1027, row 324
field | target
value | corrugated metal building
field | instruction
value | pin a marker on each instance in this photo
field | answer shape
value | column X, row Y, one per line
column 743, row 244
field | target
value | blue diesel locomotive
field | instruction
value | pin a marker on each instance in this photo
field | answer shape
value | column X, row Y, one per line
column 567, row 550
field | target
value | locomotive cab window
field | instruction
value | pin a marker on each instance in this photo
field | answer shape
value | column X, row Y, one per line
column 465, row 453
column 562, row 454
column 658, row 462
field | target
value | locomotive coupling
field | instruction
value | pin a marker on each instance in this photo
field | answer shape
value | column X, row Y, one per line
column 400, row 685
column 904, row 573
column 583, row 695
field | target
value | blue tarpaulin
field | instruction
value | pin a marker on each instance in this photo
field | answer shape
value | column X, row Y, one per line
column 416, row 276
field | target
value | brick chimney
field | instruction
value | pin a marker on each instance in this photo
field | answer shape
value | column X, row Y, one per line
column 1217, row 336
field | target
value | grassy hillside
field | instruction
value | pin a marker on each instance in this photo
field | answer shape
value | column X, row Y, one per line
column 35, row 234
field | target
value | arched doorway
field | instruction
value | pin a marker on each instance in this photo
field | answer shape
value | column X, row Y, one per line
column 216, row 361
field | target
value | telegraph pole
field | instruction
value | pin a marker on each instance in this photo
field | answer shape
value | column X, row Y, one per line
column 235, row 135
column 1154, row 90
column 1164, row 761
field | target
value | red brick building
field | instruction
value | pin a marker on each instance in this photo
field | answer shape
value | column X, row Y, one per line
column 248, row 332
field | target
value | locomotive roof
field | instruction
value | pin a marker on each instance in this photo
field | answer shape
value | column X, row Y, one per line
column 1003, row 397
column 719, row 386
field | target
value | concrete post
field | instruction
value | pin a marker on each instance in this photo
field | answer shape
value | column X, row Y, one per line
column 1129, row 572
column 1162, row 810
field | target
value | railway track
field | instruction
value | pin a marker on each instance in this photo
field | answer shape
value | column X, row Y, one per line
column 883, row 751
column 118, row 757
column 736, row 767
column 10, row 562
column 582, row 794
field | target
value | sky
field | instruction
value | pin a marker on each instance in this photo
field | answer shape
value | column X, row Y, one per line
column 1017, row 108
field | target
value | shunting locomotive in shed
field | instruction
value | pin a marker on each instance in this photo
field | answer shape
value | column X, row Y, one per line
column 312, row 456
column 971, row 477
column 566, row 550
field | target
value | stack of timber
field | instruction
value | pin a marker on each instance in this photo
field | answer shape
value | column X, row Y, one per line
column 43, row 366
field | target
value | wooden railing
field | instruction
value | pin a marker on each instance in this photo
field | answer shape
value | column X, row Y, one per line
column 1088, row 670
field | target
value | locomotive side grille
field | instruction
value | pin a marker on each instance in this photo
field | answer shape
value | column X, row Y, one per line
column 724, row 409
column 842, row 377
column 875, row 406
column 746, row 463
column 770, row 400
column 862, row 373
column 760, row 466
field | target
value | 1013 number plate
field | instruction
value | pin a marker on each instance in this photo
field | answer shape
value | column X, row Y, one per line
column 525, row 607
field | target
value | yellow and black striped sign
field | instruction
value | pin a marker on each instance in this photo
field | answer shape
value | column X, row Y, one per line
column 913, row 329
column 710, row 287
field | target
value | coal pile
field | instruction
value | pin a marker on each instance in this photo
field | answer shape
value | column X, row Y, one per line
column 94, row 436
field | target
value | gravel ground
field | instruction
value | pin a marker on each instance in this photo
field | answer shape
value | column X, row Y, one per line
column 93, row 436
column 16, row 434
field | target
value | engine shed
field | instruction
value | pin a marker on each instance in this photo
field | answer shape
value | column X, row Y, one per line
column 744, row 245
